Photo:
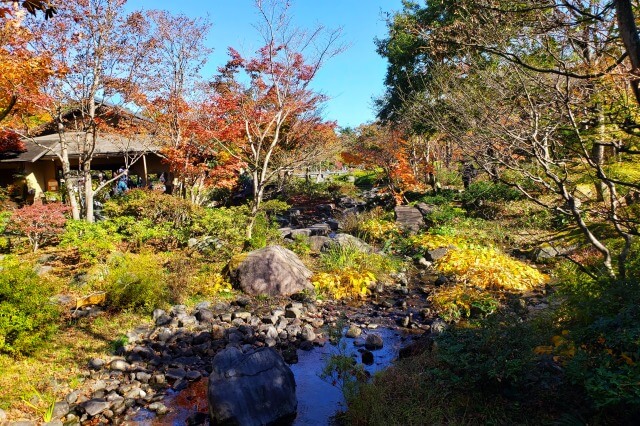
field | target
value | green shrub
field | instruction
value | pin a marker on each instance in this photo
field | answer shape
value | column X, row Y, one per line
column 444, row 214
column 485, row 191
column 94, row 241
column 133, row 282
column 152, row 205
column 601, row 320
column 28, row 317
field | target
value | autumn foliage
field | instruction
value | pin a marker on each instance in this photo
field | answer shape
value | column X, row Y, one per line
column 40, row 223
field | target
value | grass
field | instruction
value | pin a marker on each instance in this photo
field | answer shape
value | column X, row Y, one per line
column 56, row 370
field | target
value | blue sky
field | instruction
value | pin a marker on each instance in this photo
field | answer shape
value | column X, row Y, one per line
column 350, row 80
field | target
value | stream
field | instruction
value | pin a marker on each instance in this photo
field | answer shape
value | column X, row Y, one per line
column 318, row 400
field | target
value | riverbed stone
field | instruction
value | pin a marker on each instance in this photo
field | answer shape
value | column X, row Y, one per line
column 353, row 332
column 373, row 341
column 272, row 271
column 95, row 406
column 254, row 388
column 347, row 241
column 119, row 365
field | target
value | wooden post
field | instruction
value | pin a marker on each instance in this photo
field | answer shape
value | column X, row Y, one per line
column 144, row 164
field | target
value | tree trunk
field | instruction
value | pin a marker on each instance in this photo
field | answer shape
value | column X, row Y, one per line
column 66, row 173
column 88, row 192
column 629, row 33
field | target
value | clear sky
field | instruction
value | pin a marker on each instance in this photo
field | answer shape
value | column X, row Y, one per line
column 350, row 80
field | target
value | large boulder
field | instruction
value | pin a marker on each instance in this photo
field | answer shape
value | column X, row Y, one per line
column 409, row 218
column 253, row 388
column 272, row 271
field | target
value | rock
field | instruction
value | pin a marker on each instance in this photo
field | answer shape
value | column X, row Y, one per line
column 176, row 373
column 159, row 408
column 187, row 321
column 272, row 271
column 367, row 358
column 60, row 409
column 96, row 363
column 320, row 229
column 435, row 254
column 285, row 232
column 193, row 375
column 242, row 315
column 43, row 269
column 95, row 406
column 302, row 231
column 217, row 332
column 307, row 333
column 346, row 240
column 119, row 365
column 425, row 209
column 3, row 416
column 254, row 388
column 205, row 315
column 409, row 218
column 373, row 342
column 423, row 262
column 353, row 332
column 438, row 326
column 316, row 242
column 441, row 280
column 548, row 251
column 293, row 313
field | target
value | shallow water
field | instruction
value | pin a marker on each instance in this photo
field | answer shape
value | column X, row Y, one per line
column 318, row 400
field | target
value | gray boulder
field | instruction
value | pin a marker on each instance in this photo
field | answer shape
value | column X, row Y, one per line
column 272, row 271
column 409, row 218
column 254, row 388
column 347, row 241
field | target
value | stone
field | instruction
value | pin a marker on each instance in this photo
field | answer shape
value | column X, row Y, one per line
column 272, row 271
column 242, row 315
column 367, row 358
column 348, row 241
column 320, row 229
column 373, row 342
column 193, row 375
column 217, row 332
column 96, row 363
column 409, row 218
column 293, row 313
column 176, row 373
column 353, row 332
column 436, row 254
column 307, row 333
column 95, row 406
column 60, row 409
column 3, row 416
column 438, row 326
column 441, row 280
column 302, row 231
column 159, row 408
column 119, row 365
column 205, row 315
column 316, row 242
column 254, row 388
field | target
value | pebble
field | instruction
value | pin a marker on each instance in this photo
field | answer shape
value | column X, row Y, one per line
column 96, row 363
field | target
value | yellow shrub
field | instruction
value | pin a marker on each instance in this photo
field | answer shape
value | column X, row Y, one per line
column 432, row 242
column 378, row 229
column 457, row 302
column 209, row 285
column 344, row 284
column 487, row 267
